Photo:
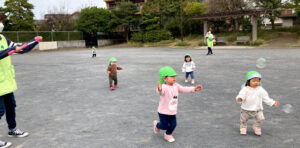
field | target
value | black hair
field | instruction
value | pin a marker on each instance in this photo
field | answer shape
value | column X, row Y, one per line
column 248, row 82
column 186, row 57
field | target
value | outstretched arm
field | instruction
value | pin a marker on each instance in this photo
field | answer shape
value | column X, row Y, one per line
column 9, row 51
column 31, row 44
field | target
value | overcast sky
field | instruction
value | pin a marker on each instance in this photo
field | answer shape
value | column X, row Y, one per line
column 42, row 7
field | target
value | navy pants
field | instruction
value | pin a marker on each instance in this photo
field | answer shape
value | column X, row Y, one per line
column 7, row 106
column 209, row 51
column 189, row 73
column 167, row 122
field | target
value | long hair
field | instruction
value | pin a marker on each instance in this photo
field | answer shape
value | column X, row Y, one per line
column 1, row 17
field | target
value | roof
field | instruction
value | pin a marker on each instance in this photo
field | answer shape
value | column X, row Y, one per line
column 231, row 14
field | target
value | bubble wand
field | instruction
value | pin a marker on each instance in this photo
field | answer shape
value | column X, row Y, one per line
column 37, row 39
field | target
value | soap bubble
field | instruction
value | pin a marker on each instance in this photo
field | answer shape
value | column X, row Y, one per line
column 261, row 63
column 287, row 108
column 243, row 85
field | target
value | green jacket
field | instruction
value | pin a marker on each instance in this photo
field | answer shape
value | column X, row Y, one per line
column 210, row 41
column 7, row 73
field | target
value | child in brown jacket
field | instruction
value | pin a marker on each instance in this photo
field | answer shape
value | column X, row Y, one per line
column 112, row 73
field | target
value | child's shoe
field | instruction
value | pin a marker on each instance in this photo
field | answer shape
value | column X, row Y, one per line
column 155, row 129
column 169, row 138
column 4, row 144
column 17, row 133
column 257, row 131
column 112, row 88
column 243, row 131
column 186, row 81
column 193, row 81
column 116, row 86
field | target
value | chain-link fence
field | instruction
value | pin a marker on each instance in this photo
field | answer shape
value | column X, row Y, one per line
column 24, row 36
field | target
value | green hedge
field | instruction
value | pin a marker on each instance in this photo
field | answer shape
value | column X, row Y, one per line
column 151, row 36
column 57, row 36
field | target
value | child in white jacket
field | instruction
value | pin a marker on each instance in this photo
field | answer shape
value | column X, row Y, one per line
column 188, row 67
column 251, row 98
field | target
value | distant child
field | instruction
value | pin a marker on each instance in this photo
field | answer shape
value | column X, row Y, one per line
column 94, row 52
column 252, row 97
column 188, row 67
column 168, row 90
column 112, row 73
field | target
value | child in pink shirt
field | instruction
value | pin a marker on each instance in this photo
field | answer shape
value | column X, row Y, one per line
column 168, row 90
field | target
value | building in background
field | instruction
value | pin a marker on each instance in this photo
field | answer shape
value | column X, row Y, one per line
column 287, row 18
column 112, row 4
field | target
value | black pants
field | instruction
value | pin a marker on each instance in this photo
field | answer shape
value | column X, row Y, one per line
column 94, row 55
column 7, row 106
column 209, row 51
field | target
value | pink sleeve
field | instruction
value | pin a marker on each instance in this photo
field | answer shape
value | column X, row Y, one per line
column 185, row 89
column 162, row 90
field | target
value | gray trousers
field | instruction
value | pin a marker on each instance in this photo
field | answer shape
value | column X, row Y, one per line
column 246, row 115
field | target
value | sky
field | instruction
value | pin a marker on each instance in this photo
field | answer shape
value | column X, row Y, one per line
column 42, row 7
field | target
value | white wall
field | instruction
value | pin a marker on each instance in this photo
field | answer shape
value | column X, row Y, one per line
column 288, row 22
column 47, row 45
column 71, row 44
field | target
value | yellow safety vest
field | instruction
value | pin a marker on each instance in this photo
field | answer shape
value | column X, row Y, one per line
column 7, row 73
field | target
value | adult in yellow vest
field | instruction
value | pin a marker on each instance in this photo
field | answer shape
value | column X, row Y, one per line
column 8, row 86
column 210, row 39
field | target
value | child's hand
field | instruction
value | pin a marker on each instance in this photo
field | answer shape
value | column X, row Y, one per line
column 198, row 87
column 239, row 100
column 276, row 104
column 159, row 86
column 18, row 49
column 39, row 37
column 193, row 68
column 108, row 72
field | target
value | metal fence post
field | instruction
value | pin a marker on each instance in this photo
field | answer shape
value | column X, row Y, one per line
column 18, row 39
column 68, row 35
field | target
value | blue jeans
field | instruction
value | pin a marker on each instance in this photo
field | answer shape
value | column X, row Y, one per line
column 7, row 106
column 167, row 122
column 189, row 73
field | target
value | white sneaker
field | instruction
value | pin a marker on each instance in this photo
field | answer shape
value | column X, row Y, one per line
column 193, row 81
column 4, row 144
column 186, row 81
column 17, row 133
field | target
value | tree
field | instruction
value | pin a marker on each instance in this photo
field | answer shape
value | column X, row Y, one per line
column 273, row 5
column 294, row 4
column 59, row 19
column 92, row 20
column 195, row 8
column 124, row 17
column 19, row 14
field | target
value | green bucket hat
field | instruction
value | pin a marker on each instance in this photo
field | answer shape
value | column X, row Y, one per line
column 166, row 71
column 112, row 60
column 187, row 55
column 252, row 74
